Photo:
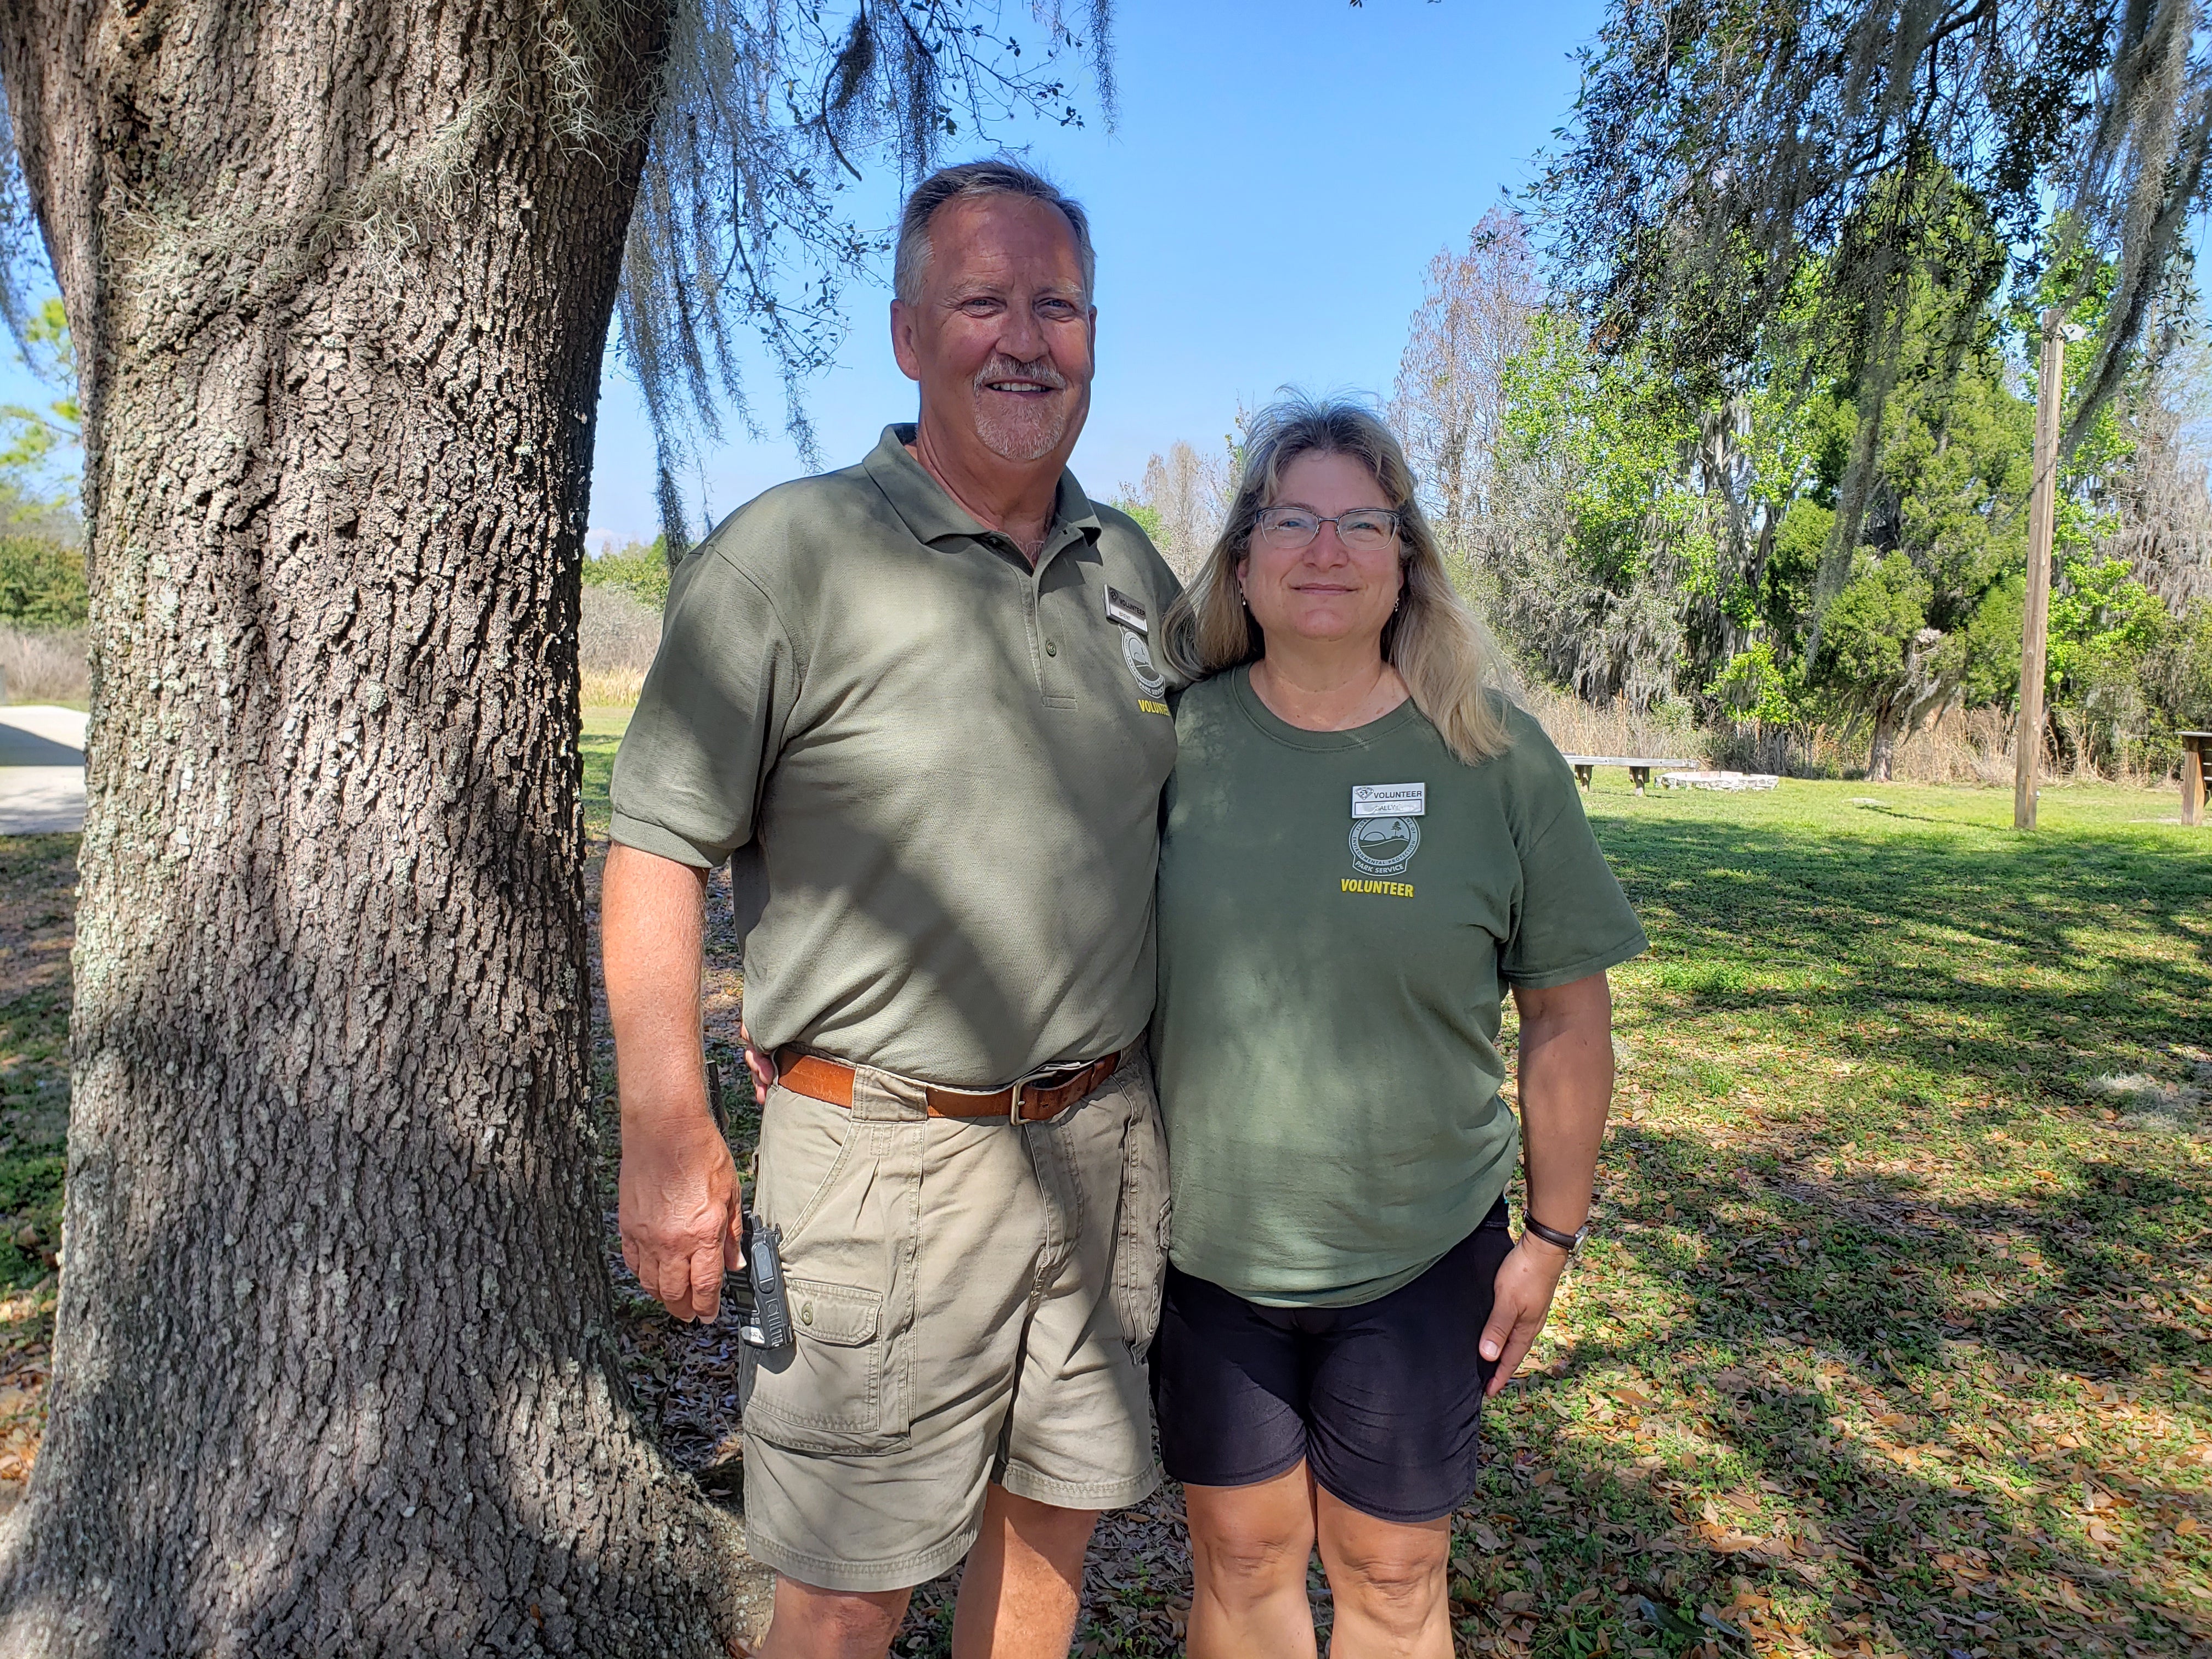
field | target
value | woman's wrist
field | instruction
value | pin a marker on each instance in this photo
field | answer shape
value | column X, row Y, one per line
column 1570, row 1243
column 1543, row 1251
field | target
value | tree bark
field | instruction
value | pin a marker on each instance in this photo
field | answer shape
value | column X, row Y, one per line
column 334, row 1369
column 1884, row 751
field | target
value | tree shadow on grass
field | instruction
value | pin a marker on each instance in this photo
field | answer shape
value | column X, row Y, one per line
column 1852, row 1356
column 1835, row 1421
column 1770, row 893
column 1900, row 1399
column 1870, row 1260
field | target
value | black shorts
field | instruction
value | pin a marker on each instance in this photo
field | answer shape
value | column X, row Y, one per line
column 1383, row 1401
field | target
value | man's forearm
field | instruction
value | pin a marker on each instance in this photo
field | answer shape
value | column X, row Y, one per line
column 1566, row 1088
column 652, row 930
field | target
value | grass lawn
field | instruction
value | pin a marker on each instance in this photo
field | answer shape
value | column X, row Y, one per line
column 1893, row 1336
column 1892, row 1339
column 603, row 730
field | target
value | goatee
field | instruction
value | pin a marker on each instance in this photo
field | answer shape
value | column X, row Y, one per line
column 1021, row 430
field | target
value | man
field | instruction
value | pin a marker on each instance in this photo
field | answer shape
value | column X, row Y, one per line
column 920, row 695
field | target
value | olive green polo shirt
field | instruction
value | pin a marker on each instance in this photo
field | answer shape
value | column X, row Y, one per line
column 948, row 765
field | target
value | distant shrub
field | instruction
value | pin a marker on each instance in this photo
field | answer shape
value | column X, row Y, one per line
column 43, row 665
column 638, row 568
column 615, row 645
column 41, row 582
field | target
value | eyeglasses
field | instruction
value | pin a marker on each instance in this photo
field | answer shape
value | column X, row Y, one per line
column 1364, row 530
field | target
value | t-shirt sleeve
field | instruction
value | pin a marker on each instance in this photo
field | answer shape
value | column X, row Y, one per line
column 1573, row 919
column 710, row 721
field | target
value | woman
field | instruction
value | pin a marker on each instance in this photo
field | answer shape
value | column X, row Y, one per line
column 1362, row 843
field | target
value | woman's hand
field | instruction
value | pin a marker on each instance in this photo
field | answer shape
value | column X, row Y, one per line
column 1527, row 1281
column 1566, row 1085
column 760, row 1063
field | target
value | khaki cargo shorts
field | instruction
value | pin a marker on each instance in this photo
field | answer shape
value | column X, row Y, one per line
column 971, row 1301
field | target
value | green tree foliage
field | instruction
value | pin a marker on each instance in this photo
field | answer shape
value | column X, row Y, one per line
column 32, row 440
column 1649, row 543
column 1878, row 656
column 42, row 573
column 1149, row 520
column 1720, row 150
column 1756, row 687
column 638, row 568
column 2104, row 626
column 1594, row 532
column 41, row 581
column 2178, row 673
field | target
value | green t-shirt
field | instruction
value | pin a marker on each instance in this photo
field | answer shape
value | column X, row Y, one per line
column 1331, row 968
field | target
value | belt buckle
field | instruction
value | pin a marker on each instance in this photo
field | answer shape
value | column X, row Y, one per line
column 1067, row 1074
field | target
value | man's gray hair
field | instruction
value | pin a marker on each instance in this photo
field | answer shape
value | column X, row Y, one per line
column 972, row 180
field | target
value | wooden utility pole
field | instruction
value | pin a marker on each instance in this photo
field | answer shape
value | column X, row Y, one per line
column 2027, row 742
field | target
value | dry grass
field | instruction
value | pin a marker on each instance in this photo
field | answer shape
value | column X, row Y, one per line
column 614, row 688
column 43, row 665
column 1970, row 746
column 615, row 646
column 1585, row 728
column 1966, row 746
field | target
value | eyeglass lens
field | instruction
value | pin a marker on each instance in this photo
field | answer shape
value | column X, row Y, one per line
column 1366, row 530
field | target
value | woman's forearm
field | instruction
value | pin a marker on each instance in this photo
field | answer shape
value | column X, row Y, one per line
column 1566, row 1087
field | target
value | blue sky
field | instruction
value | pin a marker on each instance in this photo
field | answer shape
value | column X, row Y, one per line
column 1279, row 177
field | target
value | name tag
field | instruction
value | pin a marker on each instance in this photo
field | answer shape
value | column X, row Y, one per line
column 1390, row 800
column 1120, row 608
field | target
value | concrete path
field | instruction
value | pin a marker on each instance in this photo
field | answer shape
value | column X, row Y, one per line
column 41, row 769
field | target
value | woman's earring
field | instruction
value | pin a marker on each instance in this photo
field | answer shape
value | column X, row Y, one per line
column 1241, row 600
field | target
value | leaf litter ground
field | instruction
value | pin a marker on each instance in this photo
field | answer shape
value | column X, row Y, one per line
column 1892, row 1338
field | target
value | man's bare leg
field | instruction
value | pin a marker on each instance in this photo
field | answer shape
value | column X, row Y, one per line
column 1024, row 1581
column 822, row 1624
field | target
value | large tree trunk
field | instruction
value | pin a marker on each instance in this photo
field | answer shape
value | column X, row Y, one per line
column 334, row 1370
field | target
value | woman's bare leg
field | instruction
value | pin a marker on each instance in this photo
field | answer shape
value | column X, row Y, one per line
column 1388, row 1578
column 1249, row 1546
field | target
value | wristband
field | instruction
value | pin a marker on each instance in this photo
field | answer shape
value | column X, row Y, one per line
column 1571, row 1242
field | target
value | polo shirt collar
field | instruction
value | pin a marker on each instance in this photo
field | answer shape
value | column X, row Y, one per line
column 930, row 513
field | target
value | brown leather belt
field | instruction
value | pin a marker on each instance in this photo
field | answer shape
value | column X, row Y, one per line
column 831, row 1080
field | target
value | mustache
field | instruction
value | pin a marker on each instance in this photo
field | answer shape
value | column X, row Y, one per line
column 1003, row 368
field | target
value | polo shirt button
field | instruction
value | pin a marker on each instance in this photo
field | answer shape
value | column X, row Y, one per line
column 1052, row 647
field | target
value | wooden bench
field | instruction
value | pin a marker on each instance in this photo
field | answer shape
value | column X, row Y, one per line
column 2196, row 761
column 1640, row 767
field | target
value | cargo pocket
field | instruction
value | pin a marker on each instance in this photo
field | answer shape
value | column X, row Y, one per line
column 825, row 1391
column 845, row 1192
column 1140, row 1250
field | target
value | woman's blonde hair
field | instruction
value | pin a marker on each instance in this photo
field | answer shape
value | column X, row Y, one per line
column 1440, row 648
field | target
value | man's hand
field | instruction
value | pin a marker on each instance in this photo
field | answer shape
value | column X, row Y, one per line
column 681, row 1224
column 1527, row 1281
